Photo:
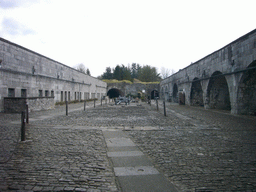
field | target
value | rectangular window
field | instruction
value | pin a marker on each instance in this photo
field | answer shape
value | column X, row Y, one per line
column 69, row 96
column 23, row 92
column 75, row 95
column 52, row 93
column 40, row 93
column 61, row 96
column 65, row 95
column 11, row 92
column 46, row 93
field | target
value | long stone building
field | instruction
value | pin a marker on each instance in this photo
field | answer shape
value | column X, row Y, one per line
column 41, row 80
column 224, row 79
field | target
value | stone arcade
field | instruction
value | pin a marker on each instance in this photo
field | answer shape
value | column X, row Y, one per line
column 41, row 80
column 224, row 79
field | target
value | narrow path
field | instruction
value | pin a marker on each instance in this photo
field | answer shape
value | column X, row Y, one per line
column 134, row 171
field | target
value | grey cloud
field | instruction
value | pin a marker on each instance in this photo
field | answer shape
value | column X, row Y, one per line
column 13, row 27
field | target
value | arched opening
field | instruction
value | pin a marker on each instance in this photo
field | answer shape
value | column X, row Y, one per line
column 196, row 94
column 112, row 93
column 218, row 92
column 182, row 98
column 166, row 93
column 247, row 91
column 154, row 94
column 175, row 93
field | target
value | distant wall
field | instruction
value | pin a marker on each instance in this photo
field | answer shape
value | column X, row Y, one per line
column 135, row 88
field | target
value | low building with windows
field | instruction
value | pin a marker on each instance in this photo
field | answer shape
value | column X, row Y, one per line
column 39, row 80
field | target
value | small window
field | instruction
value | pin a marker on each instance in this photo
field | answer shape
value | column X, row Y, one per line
column 52, row 93
column 33, row 70
column 69, row 96
column 40, row 93
column 23, row 92
column 11, row 92
column 61, row 96
column 46, row 93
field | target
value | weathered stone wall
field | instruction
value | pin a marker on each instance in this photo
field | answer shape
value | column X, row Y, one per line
column 221, row 77
column 23, row 69
column 18, row 104
column 14, row 104
column 40, row 103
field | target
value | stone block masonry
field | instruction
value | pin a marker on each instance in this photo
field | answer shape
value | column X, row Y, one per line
column 14, row 104
column 224, row 79
column 18, row 104
column 25, row 73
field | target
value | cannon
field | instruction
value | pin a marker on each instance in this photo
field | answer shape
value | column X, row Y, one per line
column 120, row 100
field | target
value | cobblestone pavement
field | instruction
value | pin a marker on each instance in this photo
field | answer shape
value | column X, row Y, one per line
column 196, row 149
column 216, row 153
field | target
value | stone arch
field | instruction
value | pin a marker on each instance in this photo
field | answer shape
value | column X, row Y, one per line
column 175, row 93
column 247, row 91
column 218, row 92
column 196, row 94
column 154, row 93
column 114, row 92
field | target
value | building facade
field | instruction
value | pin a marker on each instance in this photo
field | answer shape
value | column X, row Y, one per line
column 224, row 79
column 27, row 74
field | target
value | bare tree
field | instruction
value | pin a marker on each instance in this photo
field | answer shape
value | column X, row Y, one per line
column 165, row 72
column 81, row 67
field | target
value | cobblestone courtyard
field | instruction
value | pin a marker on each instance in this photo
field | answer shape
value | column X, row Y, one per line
column 196, row 149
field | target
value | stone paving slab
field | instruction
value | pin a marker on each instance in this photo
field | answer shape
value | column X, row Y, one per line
column 125, row 154
column 146, row 183
column 131, row 161
column 135, row 170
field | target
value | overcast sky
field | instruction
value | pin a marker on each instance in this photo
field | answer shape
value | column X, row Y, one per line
column 104, row 33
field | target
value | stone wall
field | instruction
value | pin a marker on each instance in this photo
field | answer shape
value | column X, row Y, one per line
column 27, row 72
column 18, row 104
column 40, row 103
column 14, row 104
column 224, row 79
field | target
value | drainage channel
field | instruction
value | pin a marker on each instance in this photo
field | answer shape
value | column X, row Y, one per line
column 134, row 171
